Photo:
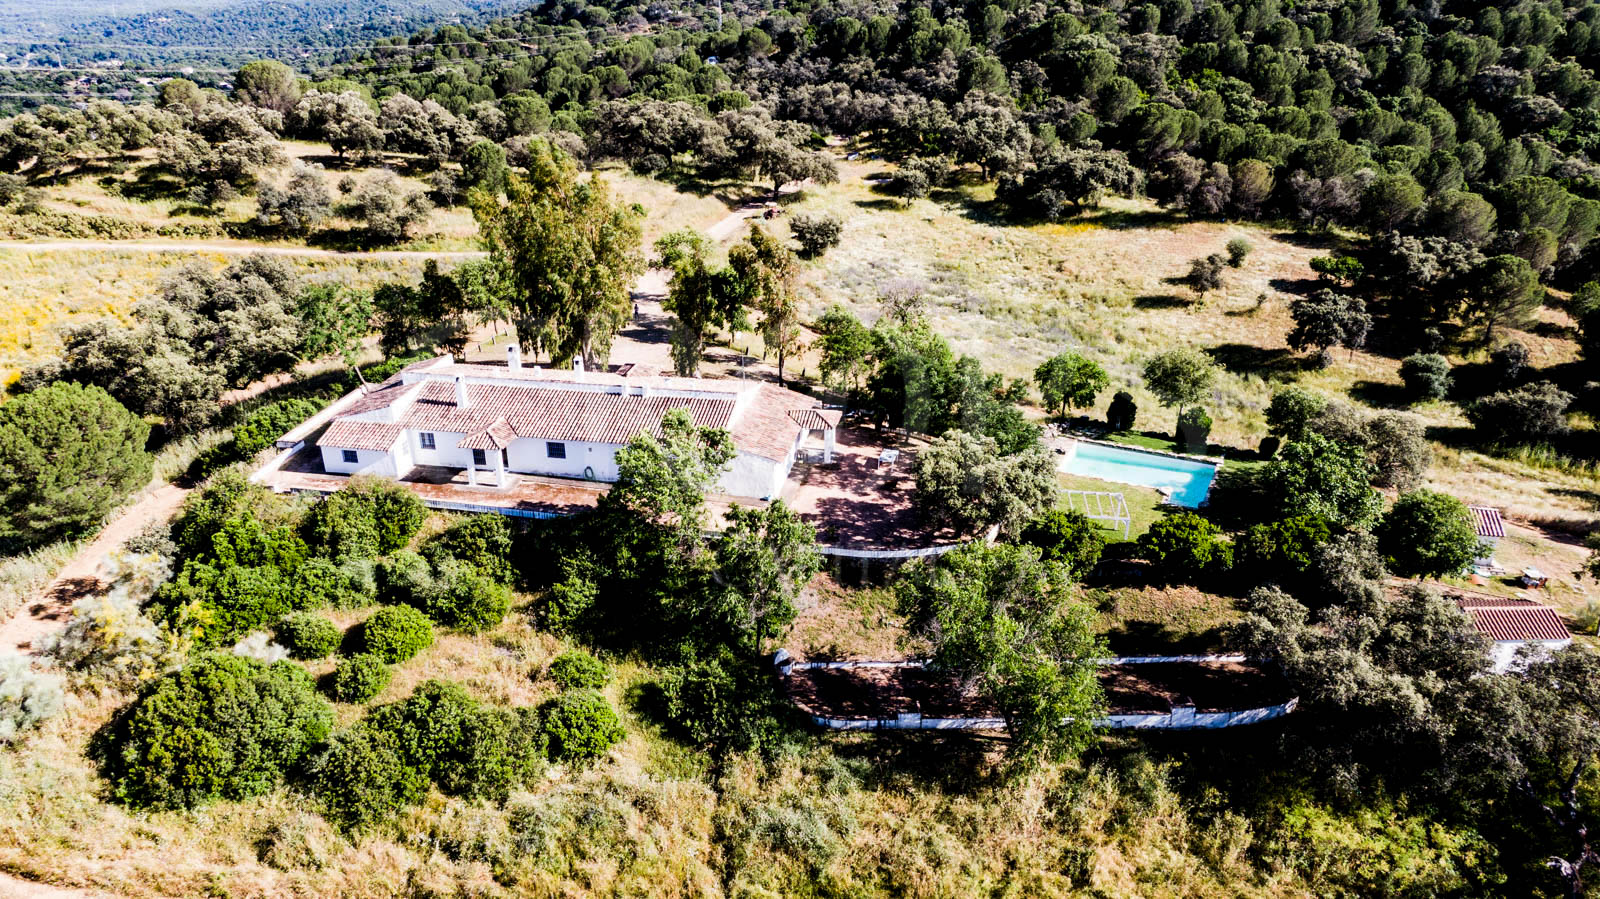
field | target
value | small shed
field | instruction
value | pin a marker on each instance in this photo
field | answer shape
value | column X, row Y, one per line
column 1488, row 525
column 1512, row 624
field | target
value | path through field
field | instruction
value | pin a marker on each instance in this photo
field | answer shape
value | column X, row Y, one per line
column 239, row 249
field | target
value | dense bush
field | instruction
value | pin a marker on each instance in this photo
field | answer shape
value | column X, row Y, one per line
column 1426, row 376
column 261, row 428
column 221, row 727
column 308, row 636
column 1292, row 410
column 358, row 678
column 1428, row 534
column 322, row 583
column 1066, row 536
column 467, row 600
column 1528, row 414
column 456, row 595
column 1185, row 548
column 467, row 749
column 362, row 781
column 366, row 519
column 68, row 453
column 816, row 233
column 1194, row 427
column 579, row 725
column 396, row 633
column 1317, row 476
column 482, row 541
column 578, row 670
column 27, row 697
column 1279, row 552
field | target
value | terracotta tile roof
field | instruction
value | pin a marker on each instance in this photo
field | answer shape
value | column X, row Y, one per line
column 1485, row 601
column 816, row 419
column 1487, row 522
column 1512, row 623
column 368, row 435
column 765, row 427
column 554, row 414
column 496, row 436
column 765, row 420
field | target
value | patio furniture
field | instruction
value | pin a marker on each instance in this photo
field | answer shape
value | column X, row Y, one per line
column 1533, row 578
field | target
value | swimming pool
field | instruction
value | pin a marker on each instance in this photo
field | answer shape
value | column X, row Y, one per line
column 1184, row 481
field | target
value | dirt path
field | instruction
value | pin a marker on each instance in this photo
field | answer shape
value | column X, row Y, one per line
column 238, row 249
column 81, row 576
column 17, row 888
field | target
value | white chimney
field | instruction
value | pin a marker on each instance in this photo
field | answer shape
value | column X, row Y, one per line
column 577, row 363
column 514, row 357
column 461, row 393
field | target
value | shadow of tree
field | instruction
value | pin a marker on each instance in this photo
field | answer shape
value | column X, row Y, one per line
column 1161, row 301
column 1160, row 638
column 1296, row 286
column 881, row 205
column 1132, row 219
column 1381, row 394
column 1245, row 359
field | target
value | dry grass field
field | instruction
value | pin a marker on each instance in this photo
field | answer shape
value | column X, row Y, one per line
column 40, row 292
column 1105, row 286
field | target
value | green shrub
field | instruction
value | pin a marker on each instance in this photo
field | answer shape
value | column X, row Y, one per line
column 396, row 633
column 308, row 636
column 466, row 748
column 405, row 579
column 220, row 603
column 482, row 541
column 1426, row 376
column 1281, row 551
column 722, row 701
column 1238, row 250
column 369, row 517
column 578, row 670
column 325, row 584
column 1292, row 410
column 1184, row 547
column 816, row 233
column 362, row 781
column 579, row 726
column 222, row 727
column 359, row 678
column 569, row 599
column 1528, row 414
column 468, row 601
column 1194, row 427
column 1066, row 536
column 1427, row 534
column 261, row 428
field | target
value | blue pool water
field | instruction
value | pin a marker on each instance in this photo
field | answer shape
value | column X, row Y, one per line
column 1185, row 481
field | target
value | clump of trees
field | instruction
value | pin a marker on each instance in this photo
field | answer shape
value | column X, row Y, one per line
column 964, row 483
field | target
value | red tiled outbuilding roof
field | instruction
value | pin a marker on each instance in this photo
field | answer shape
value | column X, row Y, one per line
column 1515, row 621
column 1486, row 521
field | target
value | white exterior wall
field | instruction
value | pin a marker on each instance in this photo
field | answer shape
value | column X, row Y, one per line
column 528, row 456
column 1503, row 654
column 753, row 477
column 368, row 462
column 444, row 452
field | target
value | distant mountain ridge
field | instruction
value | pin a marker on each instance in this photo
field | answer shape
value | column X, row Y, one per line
column 219, row 31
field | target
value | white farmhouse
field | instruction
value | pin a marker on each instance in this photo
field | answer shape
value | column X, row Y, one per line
column 496, row 422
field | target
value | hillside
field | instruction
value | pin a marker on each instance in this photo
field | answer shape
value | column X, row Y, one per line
column 1052, row 334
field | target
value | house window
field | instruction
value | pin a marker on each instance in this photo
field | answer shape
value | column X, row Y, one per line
column 352, row 456
column 427, row 439
column 555, row 450
column 478, row 457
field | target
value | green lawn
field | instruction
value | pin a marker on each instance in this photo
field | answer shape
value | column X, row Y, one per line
column 1144, row 504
